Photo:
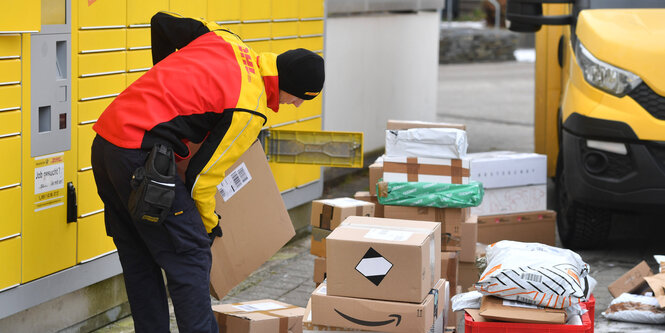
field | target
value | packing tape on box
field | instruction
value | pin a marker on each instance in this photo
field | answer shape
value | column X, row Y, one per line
column 326, row 216
column 412, row 168
column 283, row 319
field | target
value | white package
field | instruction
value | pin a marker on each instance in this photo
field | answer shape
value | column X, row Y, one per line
column 468, row 300
column 427, row 142
column 636, row 309
column 499, row 169
column 534, row 273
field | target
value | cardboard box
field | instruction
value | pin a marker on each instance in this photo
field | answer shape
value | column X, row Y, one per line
column 329, row 213
column 508, row 200
column 513, row 311
column 449, row 264
column 450, row 218
column 318, row 243
column 539, row 227
column 237, row 254
column 384, row 259
column 319, row 270
column 657, row 285
column 360, row 313
column 262, row 316
column 406, row 124
column 508, row 169
column 632, row 281
column 468, row 275
column 366, row 196
column 469, row 231
column 375, row 173
column 421, row 169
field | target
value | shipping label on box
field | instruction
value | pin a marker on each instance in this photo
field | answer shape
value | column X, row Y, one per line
column 262, row 316
column 408, row 124
column 385, row 316
column 366, row 196
column 329, row 213
column 507, row 200
column 235, row 256
column 382, row 258
column 428, row 170
column 508, row 169
column 530, row 227
column 318, row 242
column 513, row 311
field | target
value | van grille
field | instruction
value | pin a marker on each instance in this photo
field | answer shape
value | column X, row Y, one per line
column 649, row 100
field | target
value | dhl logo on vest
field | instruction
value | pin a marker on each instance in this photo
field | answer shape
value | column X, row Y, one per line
column 247, row 61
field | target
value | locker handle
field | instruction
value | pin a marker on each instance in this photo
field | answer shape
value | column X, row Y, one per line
column 72, row 207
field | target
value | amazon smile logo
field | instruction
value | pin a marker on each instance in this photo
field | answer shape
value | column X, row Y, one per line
column 395, row 318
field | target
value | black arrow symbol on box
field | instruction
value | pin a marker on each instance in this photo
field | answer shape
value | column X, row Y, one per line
column 371, row 323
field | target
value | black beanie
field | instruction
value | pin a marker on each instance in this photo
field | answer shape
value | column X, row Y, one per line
column 300, row 73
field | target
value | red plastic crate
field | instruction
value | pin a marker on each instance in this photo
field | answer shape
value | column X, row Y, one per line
column 471, row 326
column 591, row 306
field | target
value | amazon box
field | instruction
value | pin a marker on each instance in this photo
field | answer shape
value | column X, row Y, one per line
column 422, row 169
column 632, row 281
column 262, row 316
column 329, row 213
column 318, row 244
column 375, row 173
column 385, row 259
column 366, row 196
column 530, row 227
column 513, row 311
column 251, row 235
column 384, row 316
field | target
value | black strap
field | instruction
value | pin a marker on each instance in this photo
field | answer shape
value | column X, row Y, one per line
column 265, row 119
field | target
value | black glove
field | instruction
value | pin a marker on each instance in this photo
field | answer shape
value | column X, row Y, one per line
column 216, row 231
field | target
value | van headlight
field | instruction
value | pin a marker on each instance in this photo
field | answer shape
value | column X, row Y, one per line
column 604, row 76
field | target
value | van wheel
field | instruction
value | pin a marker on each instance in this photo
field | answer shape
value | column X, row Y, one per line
column 580, row 226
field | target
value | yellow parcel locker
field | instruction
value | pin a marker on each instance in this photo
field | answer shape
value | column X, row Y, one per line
column 88, row 199
column 10, row 46
column 312, row 43
column 282, row 45
column 10, row 123
column 10, row 97
column 89, row 111
column 11, row 167
column 140, row 12
column 285, row 29
column 85, row 137
column 311, row 8
column 189, row 8
column 223, row 10
column 254, row 10
column 10, row 71
column 284, row 9
column 310, row 27
column 255, row 31
column 10, row 257
column 102, row 40
column 92, row 239
column 24, row 15
column 310, row 108
column 133, row 76
column 287, row 114
column 11, row 215
column 260, row 45
column 101, row 86
column 138, row 38
column 306, row 174
column 102, row 63
column 139, row 60
column 102, row 13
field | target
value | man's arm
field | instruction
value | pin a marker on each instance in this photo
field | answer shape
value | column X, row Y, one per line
column 170, row 32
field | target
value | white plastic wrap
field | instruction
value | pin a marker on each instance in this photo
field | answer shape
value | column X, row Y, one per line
column 468, row 300
column 448, row 143
column 534, row 273
column 636, row 309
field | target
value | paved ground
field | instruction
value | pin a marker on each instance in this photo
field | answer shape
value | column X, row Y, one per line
column 495, row 101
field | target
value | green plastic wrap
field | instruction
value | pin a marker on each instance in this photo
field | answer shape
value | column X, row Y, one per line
column 420, row 194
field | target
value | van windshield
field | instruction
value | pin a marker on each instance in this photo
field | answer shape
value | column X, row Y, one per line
column 599, row 4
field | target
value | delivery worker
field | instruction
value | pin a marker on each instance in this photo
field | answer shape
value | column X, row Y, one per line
column 215, row 91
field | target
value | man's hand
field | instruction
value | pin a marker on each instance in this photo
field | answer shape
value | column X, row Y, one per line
column 216, row 231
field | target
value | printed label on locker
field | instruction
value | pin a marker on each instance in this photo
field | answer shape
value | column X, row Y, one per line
column 265, row 306
column 234, row 181
column 391, row 235
column 50, row 177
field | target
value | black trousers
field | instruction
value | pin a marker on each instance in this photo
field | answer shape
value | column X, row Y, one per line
column 180, row 246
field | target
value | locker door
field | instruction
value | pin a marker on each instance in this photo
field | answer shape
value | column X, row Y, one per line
column 21, row 16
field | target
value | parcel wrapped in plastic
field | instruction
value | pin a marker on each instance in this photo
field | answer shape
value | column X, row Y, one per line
column 427, row 142
column 535, row 273
column 423, row 194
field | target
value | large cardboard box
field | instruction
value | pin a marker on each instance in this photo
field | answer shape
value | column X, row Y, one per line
column 513, row 311
column 468, row 275
column 632, row 281
column 538, row 227
column 262, row 316
column 407, row 124
column 375, row 173
column 420, row 169
column 450, row 218
column 508, row 200
column 508, row 169
column 385, row 259
column 449, row 264
column 318, row 243
column 329, row 213
column 469, row 238
column 366, row 196
column 367, row 314
column 251, row 235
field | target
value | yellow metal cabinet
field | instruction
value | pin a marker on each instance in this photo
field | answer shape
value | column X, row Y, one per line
column 102, row 40
column 10, row 257
column 139, row 60
column 139, row 12
column 285, row 176
column 255, row 31
column 287, row 114
column 88, row 200
column 133, row 76
column 310, row 109
column 189, row 8
column 11, row 216
column 310, row 27
column 312, row 43
column 101, row 86
column 282, row 45
column 102, row 13
column 138, row 38
column 10, row 97
column 11, row 167
column 10, row 123
column 92, row 239
column 224, row 10
column 253, row 10
column 24, row 15
column 10, row 71
column 306, row 174
column 311, row 8
column 260, row 46
column 85, row 137
column 89, row 111
column 284, row 9
column 285, row 29
column 102, row 63
column 10, row 46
